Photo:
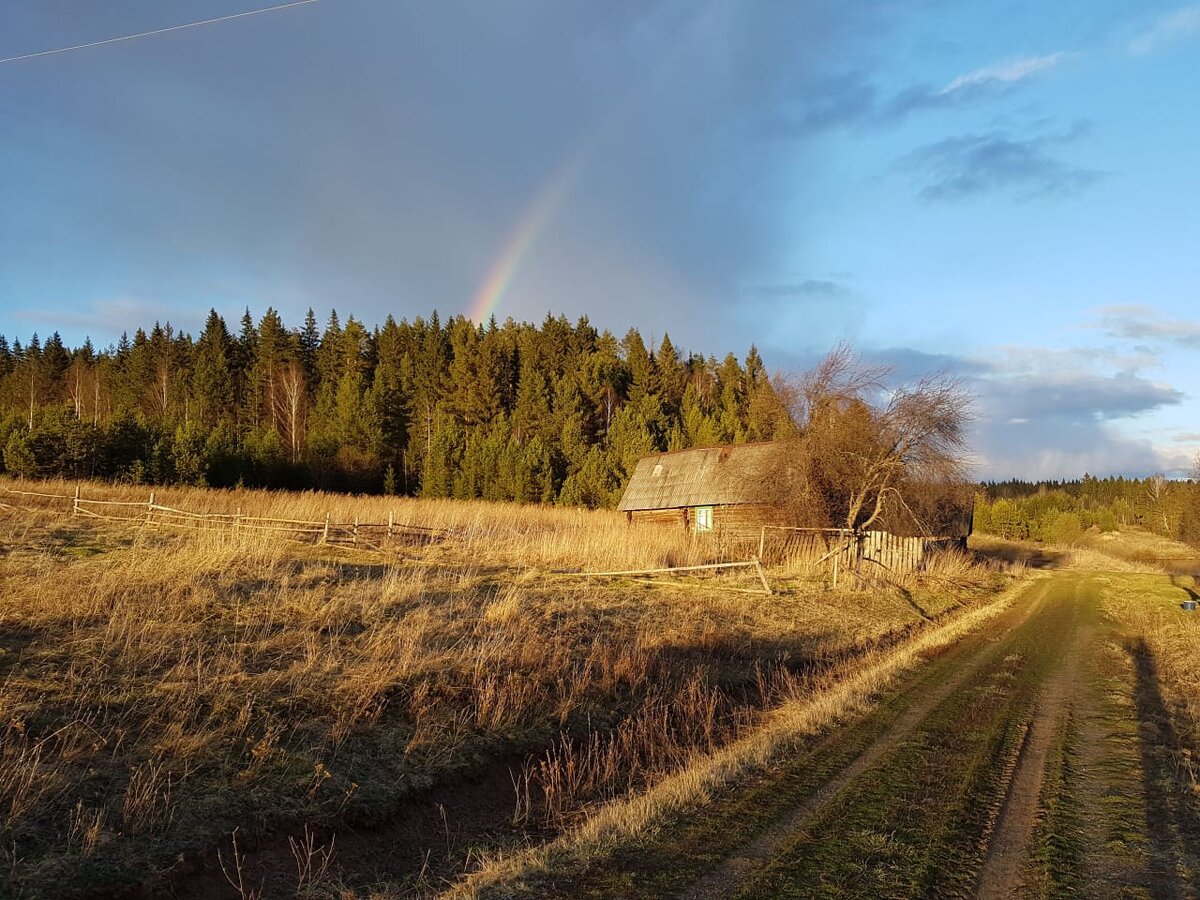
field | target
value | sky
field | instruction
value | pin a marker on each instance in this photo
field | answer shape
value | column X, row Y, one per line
column 1006, row 191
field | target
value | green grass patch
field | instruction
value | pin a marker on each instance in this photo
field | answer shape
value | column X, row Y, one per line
column 1058, row 841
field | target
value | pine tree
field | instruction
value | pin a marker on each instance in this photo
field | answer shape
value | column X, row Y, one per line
column 670, row 376
column 475, row 395
column 330, row 353
column 309, row 346
column 531, row 414
column 502, row 411
column 641, row 367
column 212, row 376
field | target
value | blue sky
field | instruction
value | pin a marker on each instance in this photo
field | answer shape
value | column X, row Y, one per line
column 1006, row 190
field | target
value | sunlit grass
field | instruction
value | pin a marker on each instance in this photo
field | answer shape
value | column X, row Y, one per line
column 160, row 687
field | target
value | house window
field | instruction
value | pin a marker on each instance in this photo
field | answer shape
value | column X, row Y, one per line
column 704, row 518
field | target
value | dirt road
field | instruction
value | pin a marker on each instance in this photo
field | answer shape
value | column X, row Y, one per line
column 1020, row 763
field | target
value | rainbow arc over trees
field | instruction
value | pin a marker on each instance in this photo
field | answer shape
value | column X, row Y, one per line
column 521, row 240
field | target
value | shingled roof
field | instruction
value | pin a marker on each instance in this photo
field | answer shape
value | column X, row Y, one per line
column 707, row 476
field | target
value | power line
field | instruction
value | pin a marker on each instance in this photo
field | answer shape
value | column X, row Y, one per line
column 142, row 34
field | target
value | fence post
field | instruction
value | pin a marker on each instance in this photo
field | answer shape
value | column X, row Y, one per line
column 762, row 577
column 325, row 534
column 762, row 539
column 835, row 568
column 237, row 522
column 391, row 522
column 354, row 539
column 75, row 502
column 150, row 509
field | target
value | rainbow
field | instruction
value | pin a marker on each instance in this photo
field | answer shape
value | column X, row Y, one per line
column 521, row 240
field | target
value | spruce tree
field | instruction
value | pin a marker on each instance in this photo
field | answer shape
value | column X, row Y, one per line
column 212, row 377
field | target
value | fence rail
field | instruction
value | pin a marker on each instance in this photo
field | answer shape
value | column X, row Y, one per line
column 327, row 531
column 672, row 570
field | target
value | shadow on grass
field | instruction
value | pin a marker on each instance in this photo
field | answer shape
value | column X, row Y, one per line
column 1026, row 554
column 1172, row 818
column 14, row 639
column 1179, row 581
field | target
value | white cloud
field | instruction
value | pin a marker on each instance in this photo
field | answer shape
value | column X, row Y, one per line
column 1139, row 322
column 1007, row 72
column 1043, row 412
column 1181, row 23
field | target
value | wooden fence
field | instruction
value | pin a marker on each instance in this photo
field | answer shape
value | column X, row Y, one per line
column 843, row 550
column 368, row 535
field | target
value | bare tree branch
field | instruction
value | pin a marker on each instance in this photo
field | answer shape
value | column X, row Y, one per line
column 865, row 454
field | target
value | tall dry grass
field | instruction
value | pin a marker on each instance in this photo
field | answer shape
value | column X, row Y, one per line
column 803, row 713
column 160, row 688
column 542, row 537
column 1164, row 640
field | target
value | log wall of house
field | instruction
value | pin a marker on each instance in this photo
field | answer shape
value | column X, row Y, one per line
column 744, row 518
column 659, row 517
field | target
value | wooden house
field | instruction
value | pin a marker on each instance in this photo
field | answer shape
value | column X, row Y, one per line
column 706, row 489
column 723, row 491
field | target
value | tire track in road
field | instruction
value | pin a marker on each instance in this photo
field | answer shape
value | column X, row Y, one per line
column 768, row 843
column 1008, row 849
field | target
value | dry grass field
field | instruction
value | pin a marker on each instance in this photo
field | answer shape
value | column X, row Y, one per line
column 1046, row 747
column 164, row 689
column 1159, row 648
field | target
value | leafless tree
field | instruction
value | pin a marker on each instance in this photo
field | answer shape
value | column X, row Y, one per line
column 865, row 451
column 1156, row 493
column 289, row 400
column 77, row 376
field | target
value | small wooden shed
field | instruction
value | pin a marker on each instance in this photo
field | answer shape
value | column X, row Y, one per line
column 704, row 489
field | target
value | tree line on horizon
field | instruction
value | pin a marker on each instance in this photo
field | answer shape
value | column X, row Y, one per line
column 559, row 412
column 1061, row 511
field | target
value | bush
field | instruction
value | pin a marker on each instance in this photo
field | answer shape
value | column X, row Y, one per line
column 18, row 456
column 1066, row 528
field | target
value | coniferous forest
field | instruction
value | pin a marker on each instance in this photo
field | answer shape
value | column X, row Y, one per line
column 513, row 411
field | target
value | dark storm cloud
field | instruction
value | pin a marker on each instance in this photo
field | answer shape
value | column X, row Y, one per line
column 377, row 157
column 1027, row 167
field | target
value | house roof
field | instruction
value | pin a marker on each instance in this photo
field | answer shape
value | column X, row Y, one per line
column 707, row 476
